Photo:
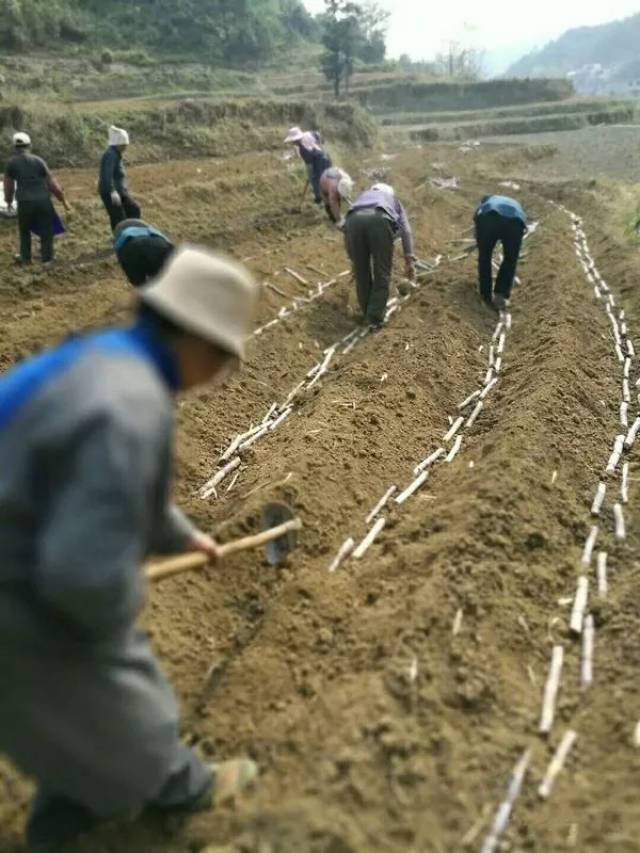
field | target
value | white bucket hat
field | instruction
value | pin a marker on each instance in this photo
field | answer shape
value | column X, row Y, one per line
column 206, row 294
column 21, row 140
column 383, row 188
column 294, row 135
column 118, row 136
column 345, row 186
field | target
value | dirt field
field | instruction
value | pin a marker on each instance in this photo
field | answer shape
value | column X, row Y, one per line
column 387, row 703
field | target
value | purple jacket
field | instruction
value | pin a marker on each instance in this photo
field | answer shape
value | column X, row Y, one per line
column 394, row 210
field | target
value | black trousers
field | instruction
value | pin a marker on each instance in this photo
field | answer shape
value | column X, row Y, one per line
column 38, row 214
column 491, row 229
column 370, row 238
column 142, row 258
column 129, row 209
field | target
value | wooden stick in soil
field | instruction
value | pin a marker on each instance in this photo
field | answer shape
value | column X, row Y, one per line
column 209, row 488
column 455, row 449
column 297, row 277
column 454, row 429
column 475, row 414
column 551, row 690
column 557, row 764
column 430, row 460
column 413, row 488
column 632, row 434
column 469, row 400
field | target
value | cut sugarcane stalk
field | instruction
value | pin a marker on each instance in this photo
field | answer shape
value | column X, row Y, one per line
column 293, row 394
column 384, row 500
column 598, row 500
column 501, row 343
column 551, row 690
column 618, row 448
column 618, row 515
column 631, row 349
column 454, row 429
column 488, row 376
column 626, row 392
column 491, row 355
column 624, row 488
column 455, row 449
column 508, row 322
column 497, row 332
column 297, row 276
column 624, row 415
column 488, row 388
column 209, row 487
column 413, row 488
column 619, row 353
column 579, row 605
column 603, row 583
column 457, row 623
column 469, row 400
column 345, row 549
column 632, row 434
column 557, row 764
column 475, row 414
column 323, row 368
column 256, row 436
column 369, row 539
column 503, row 815
column 280, row 419
column 430, row 460
column 498, row 365
column 588, row 638
column 627, row 368
column 271, row 411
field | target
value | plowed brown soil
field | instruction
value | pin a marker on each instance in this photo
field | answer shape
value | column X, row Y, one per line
column 375, row 727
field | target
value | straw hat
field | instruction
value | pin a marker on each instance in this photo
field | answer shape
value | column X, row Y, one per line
column 21, row 140
column 345, row 186
column 383, row 188
column 294, row 135
column 118, row 136
column 206, row 294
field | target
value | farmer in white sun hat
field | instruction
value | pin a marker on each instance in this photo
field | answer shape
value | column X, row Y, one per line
column 316, row 160
column 375, row 221
column 27, row 179
column 86, row 457
column 112, row 182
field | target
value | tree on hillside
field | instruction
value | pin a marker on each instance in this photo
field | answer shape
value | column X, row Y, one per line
column 352, row 31
column 460, row 63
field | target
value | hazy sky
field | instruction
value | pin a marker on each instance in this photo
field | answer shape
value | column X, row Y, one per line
column 504, row 28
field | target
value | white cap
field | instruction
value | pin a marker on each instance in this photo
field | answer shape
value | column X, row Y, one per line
column 383, row 188
column 345, row 186
column 118, row 136
column 206, row 294
column 294, row 135
column 21, row 140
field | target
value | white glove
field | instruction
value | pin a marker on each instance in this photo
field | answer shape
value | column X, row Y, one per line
column 115, row 199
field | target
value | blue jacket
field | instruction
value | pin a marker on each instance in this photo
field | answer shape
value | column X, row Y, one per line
column 503, row 205
column 113, row 175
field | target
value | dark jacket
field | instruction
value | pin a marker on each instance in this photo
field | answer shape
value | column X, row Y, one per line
column 113, row 175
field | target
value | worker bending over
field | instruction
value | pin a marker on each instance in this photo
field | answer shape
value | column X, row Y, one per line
column 86, row 458
column 112, row 182
column 335, row 187
column 27, row 179
column 316, row 160
column 499, row 219
column 374, row 222
column 142, row 250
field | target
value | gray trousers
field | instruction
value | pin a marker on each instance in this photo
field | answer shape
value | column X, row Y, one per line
column 369, row 239
column 97, row 729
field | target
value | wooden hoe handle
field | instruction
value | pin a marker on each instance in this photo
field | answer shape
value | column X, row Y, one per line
column 197, row 562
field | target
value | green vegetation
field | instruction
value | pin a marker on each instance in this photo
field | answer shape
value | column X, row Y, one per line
column 559, row 121
column 76, row 137
column 224, row 32
column 352, row 31
column 410, row 96
column 525, row 111
column 613, row 45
